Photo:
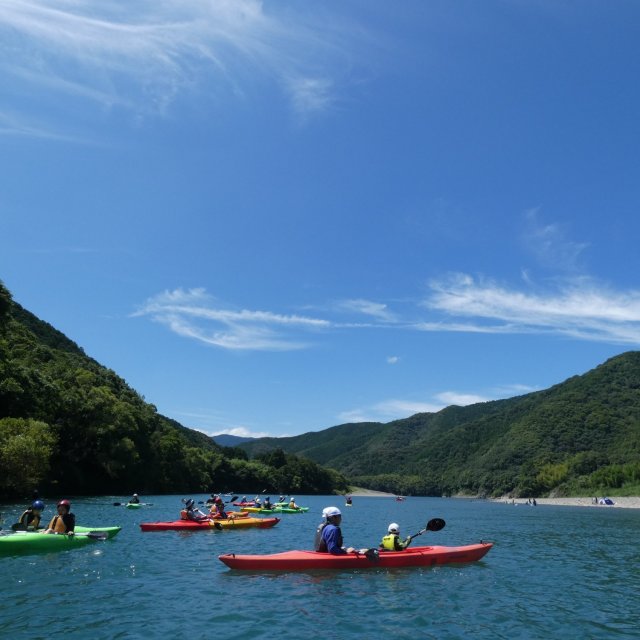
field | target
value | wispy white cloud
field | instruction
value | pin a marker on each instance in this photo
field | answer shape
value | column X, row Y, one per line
column 378, row 310
column 460, row 399
column 194, row 314
column 393, row 359
column 578, row 308
column 395, row 409
column 139, row 56
column 549, row 244
column 213, row 423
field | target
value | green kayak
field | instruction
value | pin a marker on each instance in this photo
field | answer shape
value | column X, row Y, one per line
column 133, row 505
column 275, row 510
column 27, row 542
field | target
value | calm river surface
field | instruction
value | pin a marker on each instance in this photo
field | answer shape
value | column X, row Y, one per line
column 554, row 572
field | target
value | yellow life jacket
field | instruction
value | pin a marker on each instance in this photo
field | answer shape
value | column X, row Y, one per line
column 57, row 525
column 388, row 542
column 24, row 519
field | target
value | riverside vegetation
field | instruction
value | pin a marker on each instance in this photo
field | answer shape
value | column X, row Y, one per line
column 71, row 426
column 68, row 423
column 580, row 437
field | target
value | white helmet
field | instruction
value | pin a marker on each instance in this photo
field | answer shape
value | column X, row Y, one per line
column 394, row 527
column 329, row 512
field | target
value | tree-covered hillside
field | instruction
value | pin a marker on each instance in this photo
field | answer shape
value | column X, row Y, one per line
column 70, row 426
column 578, row 437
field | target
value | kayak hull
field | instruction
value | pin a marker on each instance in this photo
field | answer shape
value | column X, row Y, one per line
column 133, row 505
column 231, row 523
column 307, row 560
column 30, row 542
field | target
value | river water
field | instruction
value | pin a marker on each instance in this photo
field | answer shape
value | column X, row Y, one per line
column 554, row 572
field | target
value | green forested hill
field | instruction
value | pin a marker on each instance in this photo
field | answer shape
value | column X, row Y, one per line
column 578, row 437
column 69, row 425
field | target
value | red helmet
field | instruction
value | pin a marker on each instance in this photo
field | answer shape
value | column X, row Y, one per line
column 64, row 503
column 218, row 499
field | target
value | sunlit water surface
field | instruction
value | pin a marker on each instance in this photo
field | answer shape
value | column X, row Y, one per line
column 554, row 572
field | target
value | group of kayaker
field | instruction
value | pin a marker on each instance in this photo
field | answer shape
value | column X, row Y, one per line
column 192, row 512
column 328, row 537
column 63, row 522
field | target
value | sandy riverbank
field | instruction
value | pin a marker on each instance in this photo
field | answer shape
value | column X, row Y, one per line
column 359, row 492
column 620, row 503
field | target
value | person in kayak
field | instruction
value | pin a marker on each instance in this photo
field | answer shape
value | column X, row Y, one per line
column 30, row 519
column 217, row 510
column 191, row 512
column 392, row 541
column 348, row 500
column 329, row 535
column 135, row 499
column 257, row 501
column 64, row 521
column 292, row 503
column 267, row 503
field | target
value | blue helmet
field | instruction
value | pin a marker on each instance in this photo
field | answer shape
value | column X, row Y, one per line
column 38, row 504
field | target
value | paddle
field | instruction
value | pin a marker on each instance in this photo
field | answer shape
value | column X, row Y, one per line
column 435, row 524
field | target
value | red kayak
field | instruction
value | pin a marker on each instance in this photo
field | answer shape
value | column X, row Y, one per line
column 372, row 559
column 190, row 525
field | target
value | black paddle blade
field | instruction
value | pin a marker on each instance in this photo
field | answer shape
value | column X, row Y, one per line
column 97, row 535
column 372, row 555
column 435, row 524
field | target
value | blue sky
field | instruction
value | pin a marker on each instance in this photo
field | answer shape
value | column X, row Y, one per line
column 276, row 217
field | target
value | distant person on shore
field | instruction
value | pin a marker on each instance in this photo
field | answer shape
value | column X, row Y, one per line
column 191, row 512
column 329, row 535
column 392, row 541
column 30, row 518
column 64, row 521
column 134, row 499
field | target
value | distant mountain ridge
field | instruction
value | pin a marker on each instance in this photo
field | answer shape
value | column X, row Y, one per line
column 578, row 437
column 228, row 440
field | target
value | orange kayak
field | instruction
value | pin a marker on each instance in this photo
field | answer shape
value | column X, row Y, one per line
column 190, row 525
